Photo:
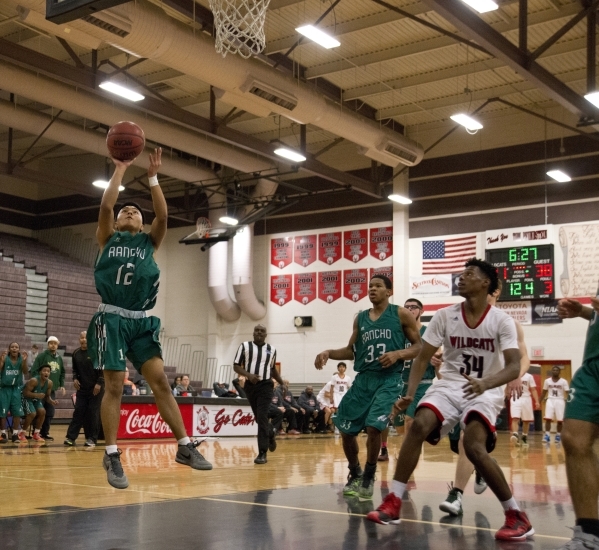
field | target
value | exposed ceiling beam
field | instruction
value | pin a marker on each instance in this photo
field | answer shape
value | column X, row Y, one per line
column 468, row 22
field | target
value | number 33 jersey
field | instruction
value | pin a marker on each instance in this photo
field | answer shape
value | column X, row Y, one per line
column 474, row 351
column 126, row 274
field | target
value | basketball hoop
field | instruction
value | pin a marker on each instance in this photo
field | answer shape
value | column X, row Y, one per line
column 203, row 226
column 239, row 26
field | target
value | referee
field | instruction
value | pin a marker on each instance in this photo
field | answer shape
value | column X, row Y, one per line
column 256, row 361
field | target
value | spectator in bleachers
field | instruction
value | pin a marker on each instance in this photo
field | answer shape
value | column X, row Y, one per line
column 307, row 400
column 184, row 387
column 89, row 383
column 129, row 388
column 325, row 400
column 12, row 368
column 288, row 414
column 176, row 382
column 296, row 424
column 238, row 384
column 222, row 390
column 50, row 357
column 36, row 392
column 32, row 356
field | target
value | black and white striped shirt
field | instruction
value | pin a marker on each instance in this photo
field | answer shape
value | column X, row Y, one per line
column 258, row 360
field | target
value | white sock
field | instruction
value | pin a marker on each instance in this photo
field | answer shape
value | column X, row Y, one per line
column 36, row 431
column 184, row 441
column 510, row 504
column 398, row 488
column 111, row 449
column 3, row 432
column 547, row 433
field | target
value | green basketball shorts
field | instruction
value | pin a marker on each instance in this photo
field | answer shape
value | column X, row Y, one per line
column 368, row 402
column 10, row 400
column 112, row 339
column 583, row 398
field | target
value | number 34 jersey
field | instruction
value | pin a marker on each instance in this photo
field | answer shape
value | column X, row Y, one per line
column 475, row 351
column 126, row 274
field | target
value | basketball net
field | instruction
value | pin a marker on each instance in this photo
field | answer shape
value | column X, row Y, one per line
column 203, row 226
column 239, row 26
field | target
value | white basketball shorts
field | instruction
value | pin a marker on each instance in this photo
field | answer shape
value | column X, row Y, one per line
column 554, row 409
column 522, row 408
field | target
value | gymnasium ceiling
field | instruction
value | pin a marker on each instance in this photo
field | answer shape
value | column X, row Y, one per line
column 402, row 69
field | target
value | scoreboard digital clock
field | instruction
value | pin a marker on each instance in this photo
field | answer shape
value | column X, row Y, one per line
column 527, row 271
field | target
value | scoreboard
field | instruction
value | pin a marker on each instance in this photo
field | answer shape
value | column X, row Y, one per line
column 527, row 271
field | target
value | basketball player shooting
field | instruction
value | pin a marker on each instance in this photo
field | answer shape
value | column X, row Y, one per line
column 127, row 277
column 474, row 336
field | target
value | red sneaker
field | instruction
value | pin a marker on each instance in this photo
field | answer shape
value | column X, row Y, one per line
column 37, row 437
column 516, row 527
column 22, row 437
column 387, row 512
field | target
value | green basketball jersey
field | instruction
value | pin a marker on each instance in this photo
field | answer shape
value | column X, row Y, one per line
column 429, row 373
column 126, row 274
column 39, row 388
column 11, row 375
column 591, row 345
column 378, row 337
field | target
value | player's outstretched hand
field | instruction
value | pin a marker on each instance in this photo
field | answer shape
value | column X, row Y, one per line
column 155, row 162
column 474, row 387
column 321, row 360
column 124, row 164
column 401, row 405
column 568, row 309
column 514, row 389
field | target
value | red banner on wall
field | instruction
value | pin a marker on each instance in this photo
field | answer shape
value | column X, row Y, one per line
column 281, row 252
column 304, row 250
column 304, row 286
column 280, row 289
column 387, row 271
column 329, row 286
column 381, row 242
column 355, row 284
column 355, row 244
column 329, row 247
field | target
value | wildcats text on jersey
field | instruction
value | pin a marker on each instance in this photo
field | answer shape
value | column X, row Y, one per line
column 126, row 252
column 487, row 344
column 376, row 333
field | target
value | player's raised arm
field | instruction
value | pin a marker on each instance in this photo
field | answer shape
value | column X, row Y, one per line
column 339, row 354
column 158, row 229
column 109, row 198
column 569, row 309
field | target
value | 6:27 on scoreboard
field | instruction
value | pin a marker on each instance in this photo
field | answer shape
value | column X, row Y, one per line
column 526, row 271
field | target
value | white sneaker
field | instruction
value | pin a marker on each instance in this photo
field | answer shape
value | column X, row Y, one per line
column 453, row 503
column 514, row 438
column 581, row 541
column 480, row 485
column 89, row 443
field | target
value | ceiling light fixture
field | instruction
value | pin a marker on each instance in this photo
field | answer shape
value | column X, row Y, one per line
column 103, row 184
column 400, row 199
column 593, row 97
column 228, row 220
column 318, row 36
column 482, row 6
column 558, row 175
column 289, row 154
column 467, row 122
column 119, row 90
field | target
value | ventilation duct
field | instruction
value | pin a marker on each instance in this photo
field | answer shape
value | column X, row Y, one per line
column 156, row 36
column 264, row 92
column 111, row 22
column 242, row 103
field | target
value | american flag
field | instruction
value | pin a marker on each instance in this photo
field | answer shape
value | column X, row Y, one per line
column 447, row 256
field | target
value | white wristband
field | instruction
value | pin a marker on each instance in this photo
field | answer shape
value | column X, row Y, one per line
column 153, row 180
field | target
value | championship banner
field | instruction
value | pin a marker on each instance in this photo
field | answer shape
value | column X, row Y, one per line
column 355, row 244
column 355, row 284
column 381, row 242
column 281, row 251
column 280, row 289
column 387, row 271
column 430, row 285
column 143, row 421
column 304, row 286
column 304, row 250
column 329, row 286
column 518, row 311
column 329, row 247
column 223, row 420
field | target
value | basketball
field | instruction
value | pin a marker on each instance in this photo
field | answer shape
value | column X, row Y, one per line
column 125, row 141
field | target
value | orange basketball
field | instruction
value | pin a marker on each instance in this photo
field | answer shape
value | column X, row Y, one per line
column 125, row 141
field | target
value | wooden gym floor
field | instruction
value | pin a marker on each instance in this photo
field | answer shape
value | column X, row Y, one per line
column 55, row 497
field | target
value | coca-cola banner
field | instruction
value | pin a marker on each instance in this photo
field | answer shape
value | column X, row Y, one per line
column 355, row 244
column 304, row 250
column 329, row 286
column 281, row 252
column 304, row 287
column 143, row 421
column 387, row 271
column 223, row 420
column 355, row 284
column 329, row 247
column 280, row 289
column 381, row 242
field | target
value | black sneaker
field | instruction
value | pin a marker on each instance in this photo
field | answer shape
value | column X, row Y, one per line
column 69, row 442
column 384, row 456
column 260, row 459
column 114, row 470
column 15, row 437
column 272, row 441
column 190, row 456
column 47, row 438
column 3, row 438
